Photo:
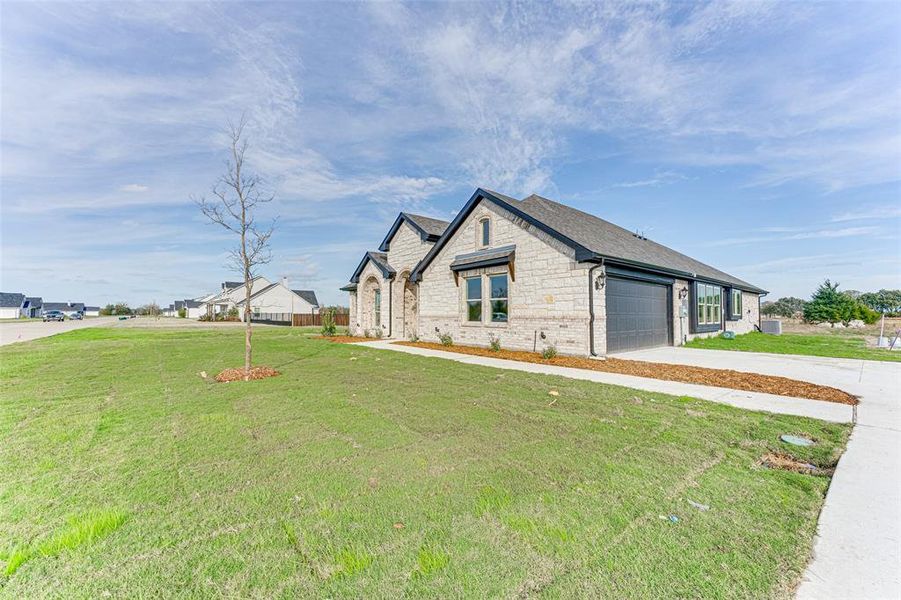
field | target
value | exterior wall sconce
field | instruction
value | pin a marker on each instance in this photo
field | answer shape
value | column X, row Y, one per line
column 683, row 293
column 601, row 279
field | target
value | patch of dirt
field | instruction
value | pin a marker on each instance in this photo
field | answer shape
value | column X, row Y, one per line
column 786, row 462
column 346, row 339
column 726, row 378
column 238, row 374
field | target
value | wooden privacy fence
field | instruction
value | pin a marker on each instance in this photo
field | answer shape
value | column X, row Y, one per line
column 307, row 320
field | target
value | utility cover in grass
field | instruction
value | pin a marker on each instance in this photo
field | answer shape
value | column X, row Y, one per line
column 795, row 440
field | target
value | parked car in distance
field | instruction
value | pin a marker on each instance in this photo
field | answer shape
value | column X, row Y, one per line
column 76, row 315
column 54, row 315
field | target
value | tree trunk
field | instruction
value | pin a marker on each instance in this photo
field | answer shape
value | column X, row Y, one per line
column 247, row 325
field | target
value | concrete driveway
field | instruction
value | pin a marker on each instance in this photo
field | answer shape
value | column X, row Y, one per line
column 22, row 331
column 857, row 551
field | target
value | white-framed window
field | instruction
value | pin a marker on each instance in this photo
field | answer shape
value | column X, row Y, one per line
column 735, row 302
column 474, row 299
column 484, row 232
column 499, row 293
column 377, row 308
column 708, row 300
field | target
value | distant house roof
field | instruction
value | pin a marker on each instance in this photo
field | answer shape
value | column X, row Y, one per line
column 230, row 285
column 308, row 295
column 92, row 308
column 79, row 306
column 11, row 300
column 62, row 306
column 179, row 304
column 428, row 228
column 592, row 238
column 192, row 304
column 34, row 302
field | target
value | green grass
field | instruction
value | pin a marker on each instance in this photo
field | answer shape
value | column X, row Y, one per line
column 386, row 476
column 827, row 344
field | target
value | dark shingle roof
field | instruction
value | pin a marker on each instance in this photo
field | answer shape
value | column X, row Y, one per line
column 430, row 225
column 380, row 260
column 63, row 306
column 609, row 240
column 193, row 304
column 34, row 302
column 79, row 306
column 179, row 304
column 11, row 299
column 592, row 239
column 308, row 295
column 230, row 285
column 92, row 308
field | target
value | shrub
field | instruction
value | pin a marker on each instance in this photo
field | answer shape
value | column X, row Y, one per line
column 549, row 352
column 329, row 328
column 495, row 343
column 182, row 313
column 445, row 339
column 414, row 337
column 233, row 312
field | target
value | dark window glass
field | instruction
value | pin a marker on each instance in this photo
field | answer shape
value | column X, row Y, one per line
column 486, row 232
column 474, row 299
column 499, row 306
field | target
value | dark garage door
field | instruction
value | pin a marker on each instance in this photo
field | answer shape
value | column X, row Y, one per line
column 637, row 315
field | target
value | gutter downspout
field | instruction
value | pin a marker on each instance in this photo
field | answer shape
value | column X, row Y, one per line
column 591, row 307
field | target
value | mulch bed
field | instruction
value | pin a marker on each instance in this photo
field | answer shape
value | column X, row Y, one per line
column 726, row 378
column 346, row 339
column 238, row 374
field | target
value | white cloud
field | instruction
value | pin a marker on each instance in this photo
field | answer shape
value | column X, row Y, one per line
column 874, row 213
column 134, row 188
column 812, row 234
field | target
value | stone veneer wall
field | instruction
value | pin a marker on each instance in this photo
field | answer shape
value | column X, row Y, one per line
column 405, row 250
column 361, row 318
column 549, row 293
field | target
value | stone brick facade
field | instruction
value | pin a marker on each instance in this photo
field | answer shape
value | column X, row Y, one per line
column 548, row 291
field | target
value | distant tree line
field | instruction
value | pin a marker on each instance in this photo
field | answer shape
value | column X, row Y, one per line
column 120, row 308
column 828, row 304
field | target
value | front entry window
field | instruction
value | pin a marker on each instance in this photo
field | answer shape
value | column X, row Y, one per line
column 474, row 299
column 499, row 306
column 377, row 308
column 709, row 302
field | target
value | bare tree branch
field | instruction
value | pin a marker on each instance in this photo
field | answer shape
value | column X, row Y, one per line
column 235, row 195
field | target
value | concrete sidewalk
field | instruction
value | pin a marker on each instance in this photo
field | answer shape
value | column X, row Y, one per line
column 857, row 551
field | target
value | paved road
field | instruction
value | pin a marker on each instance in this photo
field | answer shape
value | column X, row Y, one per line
column 22, row 331
column 857, row 551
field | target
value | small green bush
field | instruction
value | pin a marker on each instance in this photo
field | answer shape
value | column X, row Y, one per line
column 495, row 343
column 549, row 352
column 182, row 313
column 329, row 328
column 414, row 338
column 446, row 339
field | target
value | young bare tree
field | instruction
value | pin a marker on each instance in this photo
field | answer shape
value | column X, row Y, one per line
column 236, row 195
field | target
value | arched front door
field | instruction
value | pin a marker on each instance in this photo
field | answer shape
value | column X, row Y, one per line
column 370, row 305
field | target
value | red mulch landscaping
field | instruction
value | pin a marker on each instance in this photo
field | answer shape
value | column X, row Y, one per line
column 346, row 339
column 238, row 374
column 726, row 378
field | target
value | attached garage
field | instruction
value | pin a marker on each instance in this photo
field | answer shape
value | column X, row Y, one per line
column 638, row 314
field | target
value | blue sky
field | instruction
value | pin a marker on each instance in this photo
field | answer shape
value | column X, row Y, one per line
column 762, row 138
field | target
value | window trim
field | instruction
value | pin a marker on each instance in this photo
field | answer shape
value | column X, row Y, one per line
column 480, row 232
column 732, row 314
column 697, row 325
column 484, row 275
column 492, row 299
column 467, row 300
column 377, row 307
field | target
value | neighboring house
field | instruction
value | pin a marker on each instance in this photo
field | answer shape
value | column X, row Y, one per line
column 60, row 306
column 32, row 308
column 92, row 311
column 277, row 302
column 535, row 273
column 11, row 305
column 231, row 293
column 194, row 309
column 75, row 307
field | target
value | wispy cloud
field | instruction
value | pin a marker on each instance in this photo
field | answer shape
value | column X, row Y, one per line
column 865, row 214
column 659, row 179
column 134, row 188
column 800, row 235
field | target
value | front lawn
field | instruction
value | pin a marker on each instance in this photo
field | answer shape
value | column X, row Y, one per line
column 367, row 473
column 811, row 344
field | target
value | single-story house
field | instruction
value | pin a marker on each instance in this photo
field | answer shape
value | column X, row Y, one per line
column 230, row 294
column 92, row 311
column 277, row 302
column 535, row 273
column 11, row 305
column 33, row 307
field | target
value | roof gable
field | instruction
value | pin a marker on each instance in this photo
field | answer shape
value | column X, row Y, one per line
column 592, row 238
column 308, row 295
column 428, row 228
column 11, row 299
column 380, row 260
